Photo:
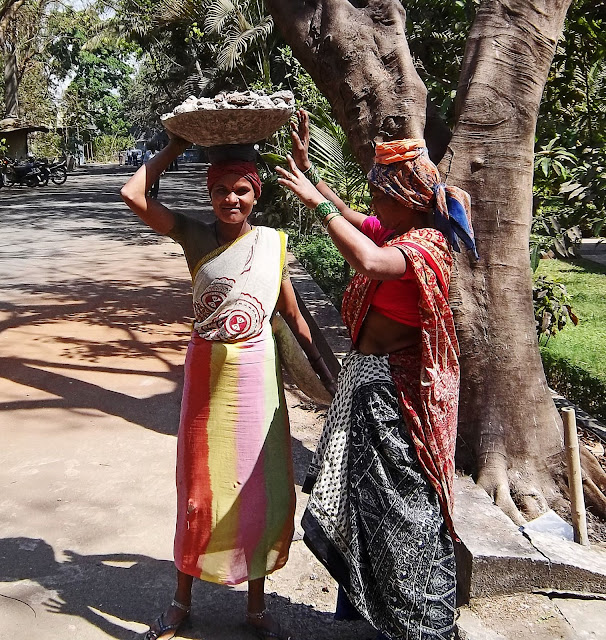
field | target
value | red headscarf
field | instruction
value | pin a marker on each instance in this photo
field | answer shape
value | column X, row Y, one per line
column 240, row 168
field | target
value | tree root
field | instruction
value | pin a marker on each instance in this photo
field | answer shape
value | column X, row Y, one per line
column 524, row 495
column 519, row 492
column 594, row 483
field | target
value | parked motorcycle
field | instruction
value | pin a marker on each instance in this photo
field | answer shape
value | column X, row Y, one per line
column 58, row 172
column 28, row 173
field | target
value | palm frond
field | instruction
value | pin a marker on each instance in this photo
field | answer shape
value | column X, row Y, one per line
column 329, row 149
column 171, row 11
column 219, row 12
column 237, row 42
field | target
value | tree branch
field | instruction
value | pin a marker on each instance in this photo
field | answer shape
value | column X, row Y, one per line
column 8, row 9
column 360, row 60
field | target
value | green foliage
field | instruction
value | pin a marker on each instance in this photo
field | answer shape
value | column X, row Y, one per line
column 94, row 99
column 437, row 34
column 585, row 190
column 552, row 308
column 106, row 147
column 574, row 358
column 575, row 383
column 46, row 145
column 318, row 254
column 570, row 173
column 231, row 41
column 329, row 149
column 3, row 147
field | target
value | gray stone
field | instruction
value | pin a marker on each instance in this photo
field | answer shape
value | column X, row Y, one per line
column 572, row 566
column 470, row 627
column 587, row 617
column 493, row 556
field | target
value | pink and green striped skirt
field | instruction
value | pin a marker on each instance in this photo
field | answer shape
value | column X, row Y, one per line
column 235, row 490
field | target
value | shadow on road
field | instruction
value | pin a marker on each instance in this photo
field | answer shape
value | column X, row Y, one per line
column 111, row 590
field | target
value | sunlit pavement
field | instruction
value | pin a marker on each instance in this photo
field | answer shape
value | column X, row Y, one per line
column 95, row 315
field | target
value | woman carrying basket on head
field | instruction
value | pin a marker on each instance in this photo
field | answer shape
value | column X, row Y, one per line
column 235, row 492
column 380, row 511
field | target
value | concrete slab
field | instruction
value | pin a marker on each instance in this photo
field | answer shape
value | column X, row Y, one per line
column 572, row 566
column 496, row 558
column 593, row 249
column 493, row 557
column 587, row 617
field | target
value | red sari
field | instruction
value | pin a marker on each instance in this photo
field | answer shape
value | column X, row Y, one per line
column 427, row 379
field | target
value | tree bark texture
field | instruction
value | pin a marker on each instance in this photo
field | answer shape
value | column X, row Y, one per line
column 358, row 57
column 508, row 424
column 11, row 86
column 8, row 10
column 357, row 54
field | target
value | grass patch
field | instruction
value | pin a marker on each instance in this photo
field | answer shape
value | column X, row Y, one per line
column 575, row 359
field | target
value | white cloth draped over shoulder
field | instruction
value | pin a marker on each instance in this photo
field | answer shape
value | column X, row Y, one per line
column 237, row 286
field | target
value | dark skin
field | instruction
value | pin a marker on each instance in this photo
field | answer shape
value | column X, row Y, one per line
column 232, row 199
column 379, row 335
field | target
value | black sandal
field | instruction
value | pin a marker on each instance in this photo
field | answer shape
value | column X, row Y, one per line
column 265, row 634
column 164, row 628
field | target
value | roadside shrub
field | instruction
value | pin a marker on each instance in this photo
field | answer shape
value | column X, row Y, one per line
column 46, row 145
column 322, row 260
column 575, row 383
column 106, row 147
column 552, row 308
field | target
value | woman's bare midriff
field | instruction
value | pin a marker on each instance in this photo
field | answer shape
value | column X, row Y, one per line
column 381, row 335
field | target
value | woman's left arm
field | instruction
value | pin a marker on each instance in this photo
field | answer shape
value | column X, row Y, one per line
column 289, row 309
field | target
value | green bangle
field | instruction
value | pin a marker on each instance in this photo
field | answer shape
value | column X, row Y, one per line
column 312, row 174
column 329, row 218
column 324, row 208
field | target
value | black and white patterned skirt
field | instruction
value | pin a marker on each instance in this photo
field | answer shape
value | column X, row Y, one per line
column 373, row 518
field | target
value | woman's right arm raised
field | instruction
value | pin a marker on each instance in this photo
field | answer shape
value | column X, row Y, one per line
column 299, row 134
column 134, row 192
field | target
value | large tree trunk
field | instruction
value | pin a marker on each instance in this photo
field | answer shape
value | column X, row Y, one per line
column 11, row 86
column 356, row 52
column 508, row 424
column 359, row 59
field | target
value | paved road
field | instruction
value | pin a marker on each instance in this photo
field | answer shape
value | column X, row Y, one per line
column 94, row 311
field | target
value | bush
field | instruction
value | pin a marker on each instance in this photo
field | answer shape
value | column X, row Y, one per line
column 575, row 383
column 552, row 308
column 106, row 147
column 317, row 253
column 47, row 145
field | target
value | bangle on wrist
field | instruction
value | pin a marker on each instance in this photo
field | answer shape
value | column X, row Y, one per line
column 324, row 209
column 329, row 218
column 312, row 174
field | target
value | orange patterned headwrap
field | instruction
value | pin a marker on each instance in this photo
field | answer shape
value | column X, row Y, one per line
column 404, row 171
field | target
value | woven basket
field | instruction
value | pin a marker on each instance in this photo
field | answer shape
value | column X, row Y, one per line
column 210, row 128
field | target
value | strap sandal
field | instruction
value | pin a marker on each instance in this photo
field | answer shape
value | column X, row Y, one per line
column 264, row 633
column 165, row 631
